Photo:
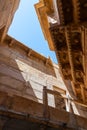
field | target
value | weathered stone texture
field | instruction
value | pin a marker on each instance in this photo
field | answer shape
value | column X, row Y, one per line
column 26, row 110
column 7, row 11
column 26, row 76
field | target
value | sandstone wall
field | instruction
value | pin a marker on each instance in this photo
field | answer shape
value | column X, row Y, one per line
column 7, row 10
column 25, row 75
column 24, row 72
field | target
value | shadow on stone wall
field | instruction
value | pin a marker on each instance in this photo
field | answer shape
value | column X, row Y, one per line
column 15, row 76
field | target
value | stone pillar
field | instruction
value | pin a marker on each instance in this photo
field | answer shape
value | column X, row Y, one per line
column 45, row 104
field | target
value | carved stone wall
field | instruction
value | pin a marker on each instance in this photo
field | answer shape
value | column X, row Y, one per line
column 68, row 36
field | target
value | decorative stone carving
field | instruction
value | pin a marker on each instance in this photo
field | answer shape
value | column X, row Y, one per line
column 76, row 41
column 59, row 38
column 77, row 62
column 83, row 10
column 79, row 77
column 69, row 41
column 67, row 74
column 72, row 11
column 65, row 8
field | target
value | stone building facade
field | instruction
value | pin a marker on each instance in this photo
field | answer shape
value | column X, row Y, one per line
column 64, row 25
column 24, row 72
column 33, row 91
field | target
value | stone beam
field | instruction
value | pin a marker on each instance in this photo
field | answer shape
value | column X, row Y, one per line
column 42, row 9
column 24, row 109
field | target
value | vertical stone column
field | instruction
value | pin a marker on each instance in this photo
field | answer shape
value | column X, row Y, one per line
column 45, row 104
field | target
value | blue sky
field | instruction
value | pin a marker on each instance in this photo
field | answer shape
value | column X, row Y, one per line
column 26, row 28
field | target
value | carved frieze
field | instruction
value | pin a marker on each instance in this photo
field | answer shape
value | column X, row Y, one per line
column 69, row 46
column 58, row 35
column 83, row 10
column 76, row 41
column 64, row 58
column 77, row 86
column 77, row 62
column 65, row 65
column 72, row 11
column 60, row 43
column 65, row 9
column 79, row 77
column 67, row 73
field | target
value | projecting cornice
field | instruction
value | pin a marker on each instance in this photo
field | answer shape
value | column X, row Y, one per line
column 43, row 8
column 70, row 49
column 68, row 36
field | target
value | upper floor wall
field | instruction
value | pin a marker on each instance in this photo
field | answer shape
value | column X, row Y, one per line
column 24, row 72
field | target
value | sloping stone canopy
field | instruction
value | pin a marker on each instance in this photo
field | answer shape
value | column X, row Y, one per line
column 68, row 38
